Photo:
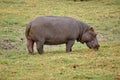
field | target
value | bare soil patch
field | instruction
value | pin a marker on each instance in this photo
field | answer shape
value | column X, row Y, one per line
column 7, row 45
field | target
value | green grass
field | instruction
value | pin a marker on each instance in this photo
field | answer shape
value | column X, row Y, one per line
column 55, row 64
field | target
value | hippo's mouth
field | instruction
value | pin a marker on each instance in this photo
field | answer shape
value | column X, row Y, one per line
column 92, row 46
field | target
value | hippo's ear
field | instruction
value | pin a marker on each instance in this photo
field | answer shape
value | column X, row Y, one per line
column 94, row 35
column 91, row 29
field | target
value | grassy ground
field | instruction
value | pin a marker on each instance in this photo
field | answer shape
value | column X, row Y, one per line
column 55, row 63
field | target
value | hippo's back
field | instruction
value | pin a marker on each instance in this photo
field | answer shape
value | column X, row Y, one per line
column 55, row 29
column 54, row 20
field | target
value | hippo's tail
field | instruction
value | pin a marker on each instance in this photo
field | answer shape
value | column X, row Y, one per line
column 27, row 31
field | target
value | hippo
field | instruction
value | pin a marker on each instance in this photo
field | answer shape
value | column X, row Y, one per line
column 55, row 30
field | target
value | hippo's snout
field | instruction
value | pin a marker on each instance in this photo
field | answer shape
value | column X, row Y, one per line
column 92, row 45
column 96, row 47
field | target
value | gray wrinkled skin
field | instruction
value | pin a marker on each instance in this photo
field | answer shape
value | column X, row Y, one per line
column 54, row 30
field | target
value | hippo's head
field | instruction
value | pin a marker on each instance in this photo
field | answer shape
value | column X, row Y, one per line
column 89, row 37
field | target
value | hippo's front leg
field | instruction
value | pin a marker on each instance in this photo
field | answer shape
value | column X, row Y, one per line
column 69, row 45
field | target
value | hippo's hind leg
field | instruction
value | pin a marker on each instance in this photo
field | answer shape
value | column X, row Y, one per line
column 69, row 45
column 39, row 45
column 30, row 44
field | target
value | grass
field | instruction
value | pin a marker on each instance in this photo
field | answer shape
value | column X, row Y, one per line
column 81, row 64
column 55, row 63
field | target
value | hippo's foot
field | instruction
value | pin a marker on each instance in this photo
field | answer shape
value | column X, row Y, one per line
column 40, row 51
column 68, row 50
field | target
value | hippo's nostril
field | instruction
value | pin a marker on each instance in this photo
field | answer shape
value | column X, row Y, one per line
column 96, row 47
